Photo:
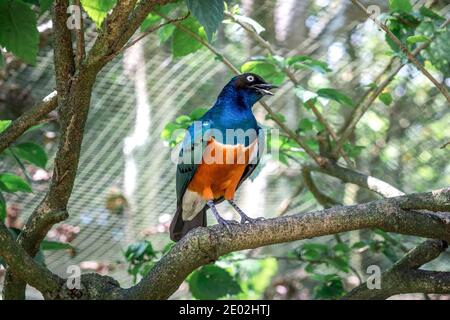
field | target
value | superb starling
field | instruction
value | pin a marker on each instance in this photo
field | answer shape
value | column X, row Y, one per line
column 218, row 153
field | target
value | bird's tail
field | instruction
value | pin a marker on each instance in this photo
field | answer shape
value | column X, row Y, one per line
column 179, row 227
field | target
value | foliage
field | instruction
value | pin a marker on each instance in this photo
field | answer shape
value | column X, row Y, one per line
column 18, row 29
column 232, row 276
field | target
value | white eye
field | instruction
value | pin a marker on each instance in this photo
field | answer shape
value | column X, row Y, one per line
column 250, row 78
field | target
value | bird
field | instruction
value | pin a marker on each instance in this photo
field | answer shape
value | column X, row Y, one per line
column 218, row 153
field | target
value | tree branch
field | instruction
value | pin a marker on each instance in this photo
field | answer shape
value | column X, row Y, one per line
column 372, row 94
column 321, row 198
column 404, row 276
column 205, row 245
column 366, row 181
column 29, row 270
column 27, row 120
column 405, row 50
column 79, row 33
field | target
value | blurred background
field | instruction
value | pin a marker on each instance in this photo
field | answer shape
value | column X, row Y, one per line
column 125, row 189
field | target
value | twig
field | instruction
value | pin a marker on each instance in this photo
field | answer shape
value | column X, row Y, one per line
column 27, row 120
column 323, row 199
column 445, row 145
column 285, row 205
column 299, row 140
column 146, row 33
column 364, row 104
column 265, row 44
column 405, row 50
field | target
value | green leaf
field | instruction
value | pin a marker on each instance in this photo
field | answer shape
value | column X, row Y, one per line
column 11, row 183
column 340, row 263
column 55, row 245
column 2, row 207
column 183, row 43
column 417, row 38
column 208, row 12
column 424, row 11
column 198, row 113
column 305, row 125
column 331, row 287
column 315, row 246
column 335, row 95
column 32, row 153
column 4, row 124
column 149, row 21
column 166, row 32
column 98, row 10
column 2, row 60
column 266, row 70
column 359, row 245
column 44, row 5
column 352, row 150
column 386, row 98
column 252, row 23
column 183, row 119
column 18, row 30
column 400, row 5
column 278, row 115
column 302, row 62
column 212, row 282
column 304, row 95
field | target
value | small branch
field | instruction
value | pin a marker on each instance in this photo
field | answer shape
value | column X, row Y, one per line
column 286, row 204
column 266, row 45
column 323, row 199
column 146, row 33
column 404, row 276
column 445, row 145
column 366, row 181
column 364, row 104
column 27, row 120
column 299, row 140
column 405, row 50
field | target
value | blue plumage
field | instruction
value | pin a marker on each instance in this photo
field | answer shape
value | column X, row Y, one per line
column 232, row 110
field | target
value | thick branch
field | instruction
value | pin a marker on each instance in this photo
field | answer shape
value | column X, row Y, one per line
column 404, row 276
column 204, row 245
column 33, row 273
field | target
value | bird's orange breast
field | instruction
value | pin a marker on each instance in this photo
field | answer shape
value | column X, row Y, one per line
column 221, row 169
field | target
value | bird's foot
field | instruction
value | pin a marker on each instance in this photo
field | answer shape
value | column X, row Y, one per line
column 223, row 222
column 226, row 223
column 244, row 218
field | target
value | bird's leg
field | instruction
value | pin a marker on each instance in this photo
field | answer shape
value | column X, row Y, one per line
column 244, row 218
column 220, row 220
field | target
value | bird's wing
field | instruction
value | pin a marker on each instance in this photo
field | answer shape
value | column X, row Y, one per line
column 190, row 155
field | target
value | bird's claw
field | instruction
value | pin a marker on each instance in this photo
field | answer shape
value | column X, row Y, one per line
column 245, row 218
column 227, row 223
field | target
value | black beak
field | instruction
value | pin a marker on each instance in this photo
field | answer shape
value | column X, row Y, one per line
column 264, row 88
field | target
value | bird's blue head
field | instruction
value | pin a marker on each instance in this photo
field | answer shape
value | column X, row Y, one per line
column 245, row 90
